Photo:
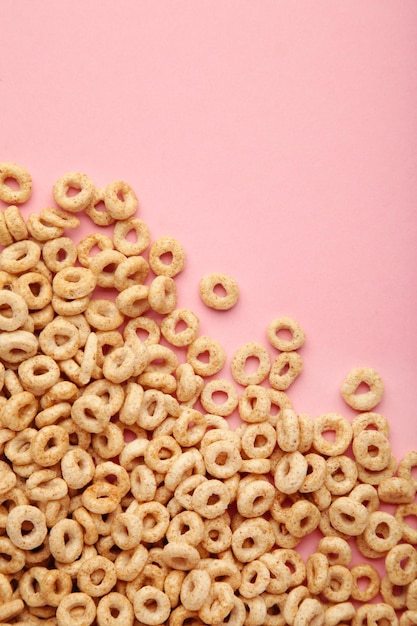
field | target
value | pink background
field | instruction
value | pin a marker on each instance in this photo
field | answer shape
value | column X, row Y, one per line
column 276, row 140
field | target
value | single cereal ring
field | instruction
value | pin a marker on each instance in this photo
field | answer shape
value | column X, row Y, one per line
column 132, row 271
column 13, row 310
column 180, row 555
column 222, row 459
column 332, row 422
column 75, row 609
column 382, row 532
column 293, row 601
column 317, row 570
column 20, row 256
column 195, row 589
column 375, row 477
column 96, row 576
column 35, row 288
column 254, row 404
column 38, row 373
column 224, row 388
column 15, row 223
column 90, row 243
column 19, row 411
column 179, row 478
column 339, row 584
column 91, row 413
column 396, row 490
column 407, row 464
column 49, row 445
column 217, row 534
column 373, row 421
column 286, row 324
column 285, row 369
column 316, row 473
column 253, row 538
column 341, row 613
column 255, row 498
column 395, row 596
column 41, row 230
column 115, row 609
column 178, row 318
column 367, row 495
column 310, row 612
column 205, row 493
column 259, row 440
column 133, row 301
column 162, row 295
column 60, row 218
column 151, row 606
column 209, row 296
column 77, row 468
column 99, row 216
column 364, row 571
column 372, row 450
column 120, row 200
column 401, row 564
column 288, row 430
column 189, row 427
column 251, row 351
column 125, row 246
column 255, row 577
column 341, row 475
column 59, row 253
column 60, row 339
column 348, row 516
column 303, row 518
column 367, row 400
column 74, row 282
column 79, row 182
column 26, row 515
column 290, row 472
column 216, row 356
column 218, row 604
column 6, row 238
column 21, row 176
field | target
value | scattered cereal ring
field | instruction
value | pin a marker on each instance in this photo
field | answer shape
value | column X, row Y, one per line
column 22, row 178
column 209, row 296
column 362, row 401
column 83, row 186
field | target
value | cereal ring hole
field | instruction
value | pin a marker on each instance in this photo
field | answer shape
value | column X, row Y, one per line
column 167, row 257
column 219, row 290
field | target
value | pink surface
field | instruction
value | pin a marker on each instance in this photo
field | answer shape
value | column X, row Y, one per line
column 275, row 140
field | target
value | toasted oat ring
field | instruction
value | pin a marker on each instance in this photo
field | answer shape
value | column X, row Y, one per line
column 222, row 459
column 401, row 564
column 259, row 440
column 285, row 369
column 256, row 498
column 75, row 609
column 203, row 495
column 255, row 351
column 372, row 450
column 151, row 606
column 19, row 411
column 91, row 413
column 23, row 179
column 162, row 295
column 59, row 253
column 406, row 466
column 183, row 337
column 382, row 532
column 134, row 270
column 288, row 430
column 209, row 296
column 348, row 516
column 303, row 518
column 90, row 242
column 367, row 572
column 66, row 540
column 253, row 538
column 74, row 282
column 396, row 490
column 216, row 356
column 60, row 218
column 290, row 472
column 364, row 421
column 21, row 516
column 293, row 601
column 77, row 468
column 35, row 288
column 341, row 475
column 310, row 613
column 87, row 579
column 343, row 434
column 169, row 247
column 41, row 230
column 98, row 216
column 195, row 589
column 288, row 324
column 60, row 339
column 20, row 256
column 115, row 609
column 13, row 310
column 317, row 569
column 38, row 373
column 101, row 498
column 189, row 427
column 339, row 584
column 181, row 555
column 83, row 197
column 55, row 586
column 225, row 387
column 123, row 228
column 133, row 301
column 120, row 200
column 367, row 400
column 15, row 223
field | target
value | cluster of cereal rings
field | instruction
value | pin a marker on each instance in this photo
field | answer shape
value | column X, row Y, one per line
column 125, row 496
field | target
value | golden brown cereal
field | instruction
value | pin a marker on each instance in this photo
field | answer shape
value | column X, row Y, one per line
column 362, row 401
column 372, row 450
column 41, row 230
column 122, row 228
column 285, row 369
column 75, row 607
column 99, row 216
column 120, row 200
column 79, row 182
column 290, row 472
column 217, row 301
column 255, row 351
column 383, row 531
column 131, row 271
column 225, row 388
column 216, row 356
column 23, row 179
column 13, row 310
column 332, row 422
column 162, row 295
column 15, row 223
column 288, row 324
column 20, row 256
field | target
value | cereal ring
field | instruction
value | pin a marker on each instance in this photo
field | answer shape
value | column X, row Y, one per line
column 120, row 200
column 396, row 490
column 96, row 576
column 216, row 356
column 366, row 495
column 218, row 604
column 115, row 609
column 178, row 318
column 286, row 324
column 348, row 516
column 132, row 271
column 373, row 421
column 372, row 450
column 74, row 282
column 21, row 176
column 317, row 570
column 204, row 495
column 404, row 514
column 19, row 411
column 13, row 310
column 401, row 564
column 151, row 606
column 91, row 243
column 26, row 515
column 339, row 614
column 303, row 518
column 224, row 388
column 20, row 256
column 253, row 538
column 255, row 498
column 310, row 611
column 78, row 182
column 290, row 472
column 362, row 401
column 133, row 301
column 251, row 351
column 364, row 571
column 162, row 295
column 288, row 430
column 195, row 589
column 75, row 609
column 59, row 253
column 97, row 210
column 336, row 423
column 285, row 369
column 222, row 459
column 341, row 475
column 213, row 299
column 60, row 218
column 123, row 228
column 254, row 404
column 41, row 230
column 406, row 466
column 382, row 532
column 316, row 473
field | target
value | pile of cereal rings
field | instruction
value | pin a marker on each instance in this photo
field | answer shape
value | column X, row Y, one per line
column 125, row 496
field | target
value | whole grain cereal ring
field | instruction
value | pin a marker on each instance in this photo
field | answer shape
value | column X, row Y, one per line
column 68, row 307
column 114, row 474
column 76, row 181
column 155, row 520
column 132, row 271
column 255, row 577
column 35, row 289
column 175, row 319
column 13, row 310
column 19, row 411
column 55, row 585
column 115, row 609
column 316, row 473
column 285, row 369
column 372, row 450
column 101, row 498
column 97, row 210
column 254, row 404
column 317, row 569
column 341, row 475
column 29, row 587
column 133, row 301
column 222, row 459
column 406, row 466
column 210, row 498
column 189, row 385
column 396, row 490
column 217, row 534
column 104, row 266
column 336, row 423
column 143, row 483
column 412, row 596
column 91, row 413
column 146, row 324
column 310, row 612
column 12, row 559
column 133, row 398
column 255, row 498
column 362, row 401
column 151, row 606
column 218, row 604
column 382, row 532
column 364, row 572
column 370, row 420
column 18, row 519
column 290, row 472
column 303, row 518
column 96, row 576
column 152, row 410
column 187, row 526
column 289, row 325
column 288, row 430
column 119, row 365
column 38, row 373
column 59, row 253
column 60, row 218
column 127, row 247
column 253, row 538
column 162, row 294
column 74, row 282
column 339, row 613
column 15, row 223
column 183, row 492
column 49, row 445
column 339, row 584
column 211, row 298
column 75, row 609
column 294, row 599
column 181, row 555
column 86, row 521
column 103, row 315
column 93, row 242
column 120, row 200
column 195, row 589
column 395, row 596
column 240, row 359
column 23, row 179
column 172, row 586
column 366, row 495
column 111, row 394
column 223, row 387
column 401, row 564
column 161, row 453
column 66, row 540
column 258, row 440
column 41, row 230
column 20, row 256
column 348, row 516
column 189, row 427
column 206, row 346
column 8, row 478
column 5, row 237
